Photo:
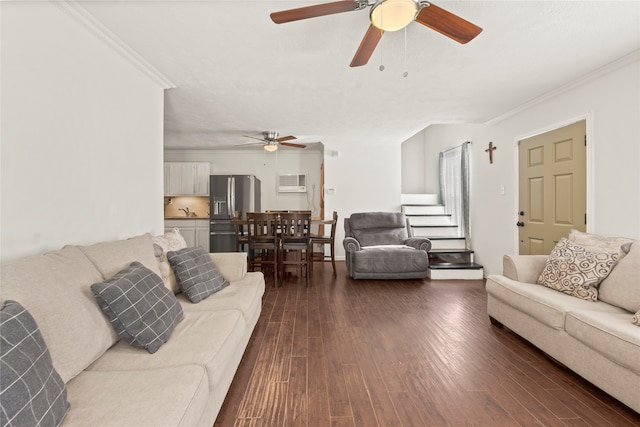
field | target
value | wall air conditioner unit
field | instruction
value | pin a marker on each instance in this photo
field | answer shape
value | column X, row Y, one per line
column 292, row 183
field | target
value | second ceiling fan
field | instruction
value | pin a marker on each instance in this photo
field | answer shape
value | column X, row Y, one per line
column 270, row 141
column 387, row 15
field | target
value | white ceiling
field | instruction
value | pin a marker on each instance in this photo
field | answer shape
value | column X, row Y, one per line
column 236, row 72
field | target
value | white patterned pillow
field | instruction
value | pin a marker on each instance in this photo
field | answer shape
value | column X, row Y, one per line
column 171, row 241
column 636, row 319
column 575, row 270
column 597, row 243
column 31, row 391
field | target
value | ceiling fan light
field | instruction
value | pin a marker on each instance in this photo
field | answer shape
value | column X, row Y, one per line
column 270, row 147
column 393, row 15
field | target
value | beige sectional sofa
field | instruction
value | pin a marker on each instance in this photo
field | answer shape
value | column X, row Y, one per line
column 111, row 383
column 597, row 340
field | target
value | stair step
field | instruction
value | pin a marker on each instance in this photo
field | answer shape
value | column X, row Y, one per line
column 419, row 199
column 460, row 266
column 451, row 251
column 448, row 257
column 422, row 209
column 432, row 219
column 447, row 243
column 435, row 230
column 460, row 272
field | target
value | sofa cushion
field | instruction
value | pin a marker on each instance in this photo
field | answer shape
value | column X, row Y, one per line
column 175, row 396
column 196, row 274
column 55, row 288
column 622, row 286
column 213, row 339
column 546, row 305
column 171, row 241
column 232, row 265
column 575, row 270
column 595, row 242
column 636, row 318
column 379, row 228
column 31, row 391
column 244, row 295
column 390, row 260
column 608, row 332
column 111, row 257
column 142, row 311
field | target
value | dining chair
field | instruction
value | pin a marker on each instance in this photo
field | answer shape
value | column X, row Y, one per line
column 242, row 236
column 295, row 242
column 262, row 233
column 330, row 240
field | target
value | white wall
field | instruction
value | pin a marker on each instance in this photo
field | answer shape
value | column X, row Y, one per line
column 81, row 136
column 610, row 102
column 413, row 163
column 265, row 166
column 441, row 138
column 365, row 177
column 611, row 105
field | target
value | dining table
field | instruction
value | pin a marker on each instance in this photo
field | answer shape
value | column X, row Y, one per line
column 241, row 225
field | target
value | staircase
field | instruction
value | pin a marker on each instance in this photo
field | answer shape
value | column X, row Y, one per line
column 449, row 257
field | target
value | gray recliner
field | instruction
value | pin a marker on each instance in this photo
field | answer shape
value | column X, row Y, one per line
column 379, row 245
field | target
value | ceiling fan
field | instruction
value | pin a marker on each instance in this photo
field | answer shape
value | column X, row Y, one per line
column 270, row 141
column 387, row 15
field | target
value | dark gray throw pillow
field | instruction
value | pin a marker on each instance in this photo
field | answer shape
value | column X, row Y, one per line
column 140, row 308
column 196, row 274
column 31, row 391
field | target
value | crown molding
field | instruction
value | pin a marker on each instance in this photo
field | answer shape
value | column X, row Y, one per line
column 240, row 152
column 594, row 75
column 82, row 16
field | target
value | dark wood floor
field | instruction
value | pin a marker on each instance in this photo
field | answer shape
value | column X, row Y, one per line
column 400, row 353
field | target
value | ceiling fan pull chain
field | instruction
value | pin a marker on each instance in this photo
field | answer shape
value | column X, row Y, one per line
column 381, row 68
column 406, row 73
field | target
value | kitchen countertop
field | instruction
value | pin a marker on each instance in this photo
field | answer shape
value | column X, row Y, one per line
column 184, row 217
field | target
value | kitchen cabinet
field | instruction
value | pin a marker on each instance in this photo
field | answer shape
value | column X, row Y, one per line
column 194, row 231
column 186, row 178
column 202, row 235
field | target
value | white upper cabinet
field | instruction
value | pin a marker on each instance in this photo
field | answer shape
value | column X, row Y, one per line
column 186, row 179
column 201, row 181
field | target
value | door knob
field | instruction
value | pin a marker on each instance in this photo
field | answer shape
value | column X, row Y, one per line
column 520, row 224
column 521, row 213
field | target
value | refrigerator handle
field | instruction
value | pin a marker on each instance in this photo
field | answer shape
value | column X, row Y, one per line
column 233, row 197
column 229, row 195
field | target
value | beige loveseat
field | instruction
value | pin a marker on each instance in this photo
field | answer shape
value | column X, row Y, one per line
column 597, row 340
column 111, row 383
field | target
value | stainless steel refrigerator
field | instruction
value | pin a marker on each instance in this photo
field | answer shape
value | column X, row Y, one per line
column 230, row 194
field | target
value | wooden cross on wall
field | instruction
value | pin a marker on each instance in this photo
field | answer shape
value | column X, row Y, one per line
column 490, row 151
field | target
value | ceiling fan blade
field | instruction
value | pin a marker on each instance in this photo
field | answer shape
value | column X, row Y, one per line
column 314, row 11
column 448, row 24
column 253, row 137
column 289, row 144
column 367, row 46
column 286, row 138
column 249, row 144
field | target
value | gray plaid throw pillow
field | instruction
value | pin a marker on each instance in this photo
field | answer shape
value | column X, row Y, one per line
column 196, row 274
column 140, row 308
column 31, row 391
